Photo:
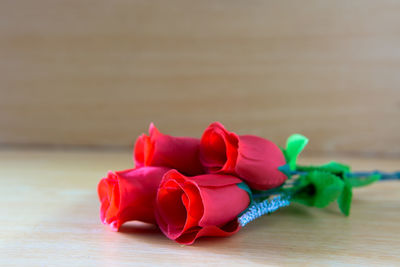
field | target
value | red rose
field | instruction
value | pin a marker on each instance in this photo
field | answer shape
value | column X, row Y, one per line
column 129, row 195
column 157, row 149
column 204, row 205
column 252, row 158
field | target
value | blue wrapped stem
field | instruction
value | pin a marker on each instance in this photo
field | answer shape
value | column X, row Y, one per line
column 264, row 207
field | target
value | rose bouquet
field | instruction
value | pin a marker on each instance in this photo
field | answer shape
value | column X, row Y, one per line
column 215, row 185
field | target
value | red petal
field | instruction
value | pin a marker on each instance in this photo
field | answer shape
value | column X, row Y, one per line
column 258, row 162
column 189, row 237
column 218, row 149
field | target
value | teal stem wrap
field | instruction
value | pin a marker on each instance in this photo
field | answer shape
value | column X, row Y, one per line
column 384, row 175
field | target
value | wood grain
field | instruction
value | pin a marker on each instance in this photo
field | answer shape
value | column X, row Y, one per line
column 49, row 216
column 97, row 72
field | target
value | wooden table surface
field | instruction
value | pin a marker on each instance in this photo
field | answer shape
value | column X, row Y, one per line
column 49, row 216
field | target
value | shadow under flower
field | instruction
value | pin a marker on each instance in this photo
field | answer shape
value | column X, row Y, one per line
column 138, row 228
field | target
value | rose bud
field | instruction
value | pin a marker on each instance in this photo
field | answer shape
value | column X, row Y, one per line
column 157, row 149
column 252, row 158
column 129, row 195
column 204, row 205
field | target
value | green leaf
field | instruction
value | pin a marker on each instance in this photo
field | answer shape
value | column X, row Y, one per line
column 294, row 145
column 363, row 181
column 333, row 167
column 318, row 189
column 345, row 198
column 328, row 188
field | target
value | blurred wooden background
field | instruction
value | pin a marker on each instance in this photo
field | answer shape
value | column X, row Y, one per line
column 95, row 73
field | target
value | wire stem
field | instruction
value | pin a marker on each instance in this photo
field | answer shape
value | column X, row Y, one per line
column 384, row 175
